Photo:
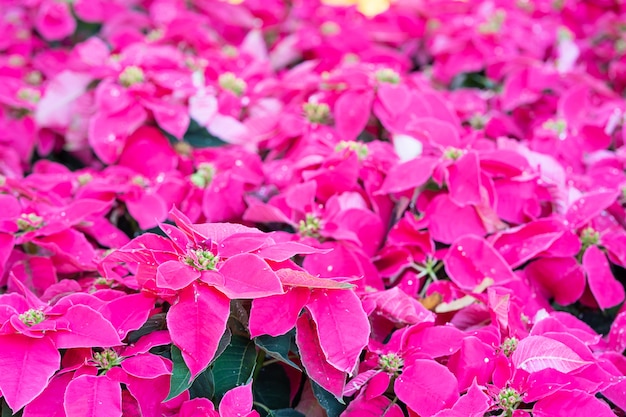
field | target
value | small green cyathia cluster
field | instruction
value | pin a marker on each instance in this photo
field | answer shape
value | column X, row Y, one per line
column 391, row 363
column 32, row 317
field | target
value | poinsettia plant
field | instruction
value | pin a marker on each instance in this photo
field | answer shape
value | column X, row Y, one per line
column 312, row 208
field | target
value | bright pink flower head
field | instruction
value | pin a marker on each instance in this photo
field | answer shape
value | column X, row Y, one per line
column 54, row 20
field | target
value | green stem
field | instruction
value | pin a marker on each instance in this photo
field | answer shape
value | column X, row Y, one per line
column 425, row 287
column 271, row 362
column 262, row 406
column 260, row 359
column 395, row 400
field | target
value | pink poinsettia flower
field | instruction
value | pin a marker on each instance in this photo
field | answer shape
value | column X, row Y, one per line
column 576, row 129
column 142, row 85
column 32, row 328
column 18, row 141
column 201, row 267
column 326, row 349
column 54, row 20
column 344, row 217
column 560, row 254
column 229, row 98
column 148, row 190
column 93, row 381
column 400, row 360
column 523, row 375
column 318, row 38
column 451, row 162
column 220, row 182
column 56, row 231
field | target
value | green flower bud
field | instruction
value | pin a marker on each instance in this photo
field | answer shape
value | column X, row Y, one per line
column 557, row 126
column 508, row 399
column 478, row 121
column 154, row 35
column 204, row 175
column 493, row 24
column 16, row 61
column 106, row 359
column 229, row 81
column 391, row 363
column 387, row 75
column 509, row 345
column 29, row 94
column 202, row 260
column 453, row 153
column 357, row 147
column 32, row 317
column 29, row 222
column 84, row 179
column 330, row 28
column 139, row 180
column 102, row 281
column 131, row 75
column 318, row 113
column 310, row 226
column 589, row 237
column 34, row 78
column 230, row 51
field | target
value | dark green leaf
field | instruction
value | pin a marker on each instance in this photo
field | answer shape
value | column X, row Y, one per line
column 154, row 323
column 155, row 230
column 277, row 347
column 85, row 30
column 181, row 376
column 224, row 343
column 472, row 80
column 234, row 367
column 328, row 401
column 198, row 137
column 366, row 137
column 6, row 411
column 271, row 387
column 203, row 386
column 286, row 412
column 598, row 320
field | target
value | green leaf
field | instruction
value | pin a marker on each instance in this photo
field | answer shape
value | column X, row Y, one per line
column 181, row 376
column 156, row 230
column 598, row 320
column 472, row 80
column 223, row 343
column 234, row 367
column 6, row 411
column 328, row 401
column 203, row 386
column 198, row 137
column 286, row 412
column 85, row 30
column 278, row 347
column 271, row 387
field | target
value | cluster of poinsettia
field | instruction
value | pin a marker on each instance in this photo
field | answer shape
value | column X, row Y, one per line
column 318, row 208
